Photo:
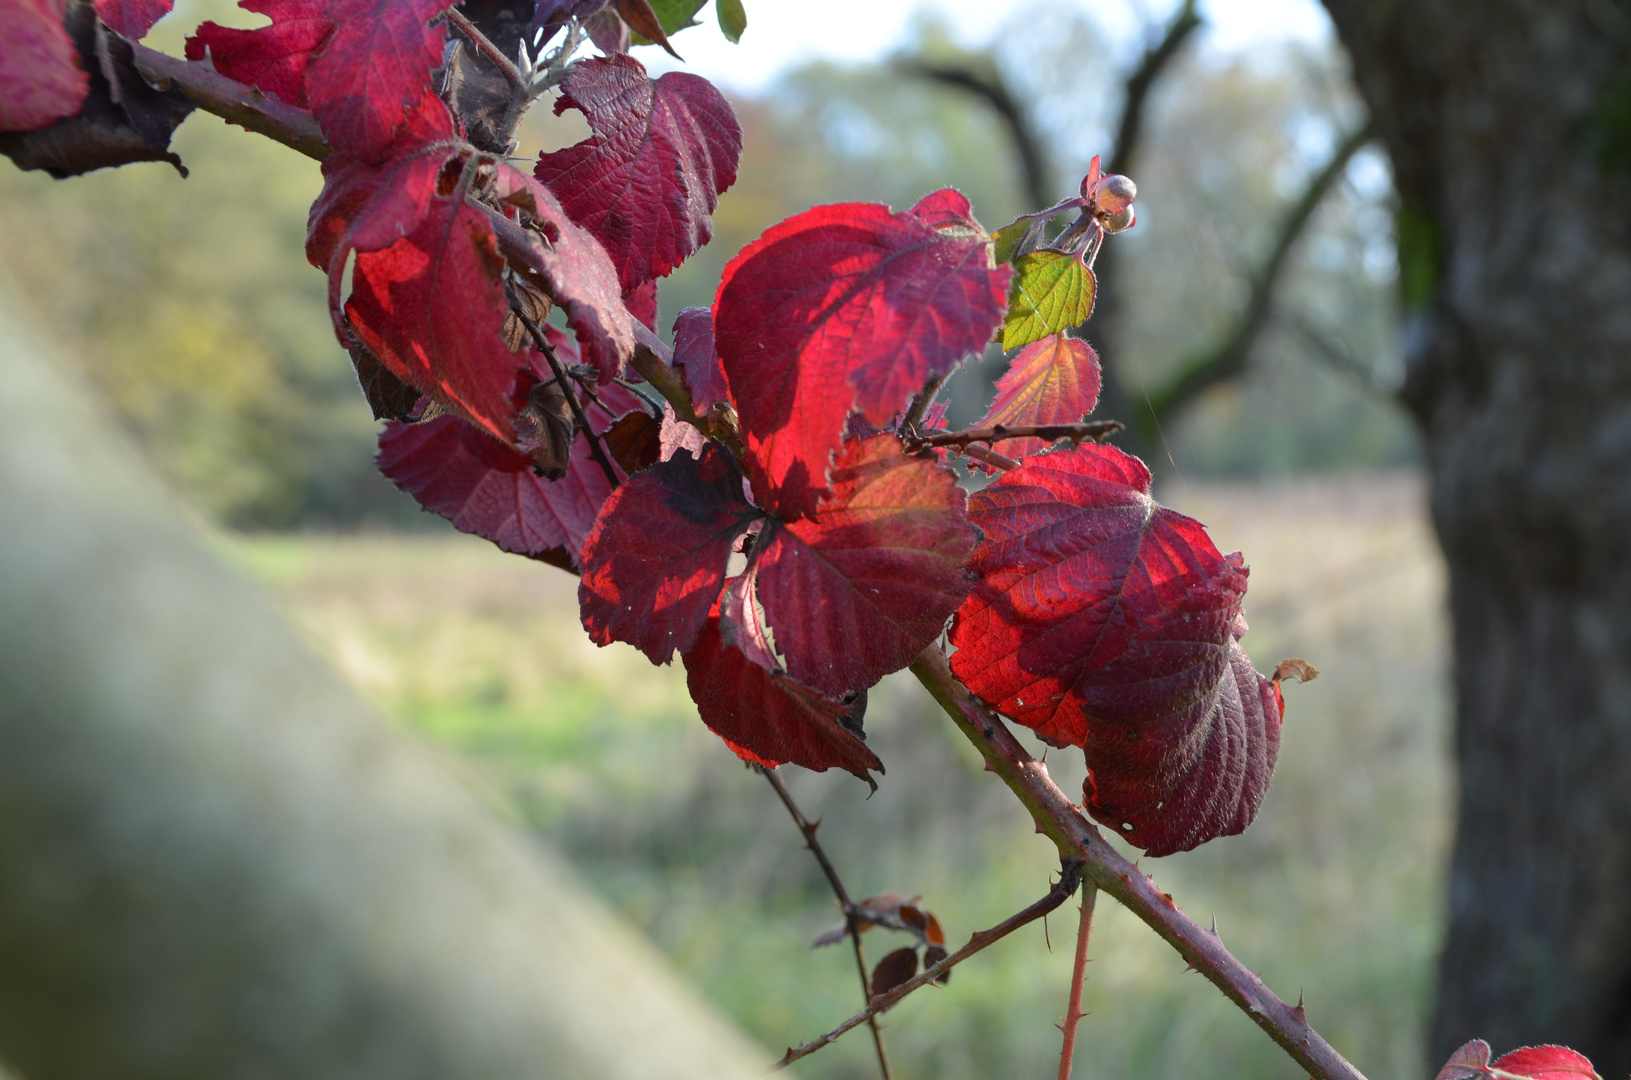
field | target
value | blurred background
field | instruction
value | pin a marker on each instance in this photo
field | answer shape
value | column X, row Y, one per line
column 195, row 315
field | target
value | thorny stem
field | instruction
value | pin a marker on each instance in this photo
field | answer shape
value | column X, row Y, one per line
column 989, row 457
column 1077, row 838
column 920, row 403
column 1070, row 877
column 578, row 414
column 233, row 101
column 852, row 923
column 506, row 66
column 1073, row 1011
column 1097, row 430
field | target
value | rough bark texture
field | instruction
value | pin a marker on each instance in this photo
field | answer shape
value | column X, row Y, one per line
column 216, row 863
column 1515, row 251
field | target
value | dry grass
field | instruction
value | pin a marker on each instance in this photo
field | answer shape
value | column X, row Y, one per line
column 1335, row 891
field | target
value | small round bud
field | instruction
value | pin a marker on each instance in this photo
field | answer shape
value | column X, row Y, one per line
column 1121, row 220
column 1118, row 187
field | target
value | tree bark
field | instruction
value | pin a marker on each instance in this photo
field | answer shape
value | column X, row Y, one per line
column 216, row 863
column 1515, row 257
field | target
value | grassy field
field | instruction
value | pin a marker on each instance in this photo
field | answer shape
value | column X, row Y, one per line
column 1335, row 892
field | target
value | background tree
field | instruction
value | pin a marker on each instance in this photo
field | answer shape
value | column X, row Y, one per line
column 1506, row 126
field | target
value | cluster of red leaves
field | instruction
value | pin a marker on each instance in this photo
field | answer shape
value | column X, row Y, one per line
column 1472, row 1062
column 1078, row 606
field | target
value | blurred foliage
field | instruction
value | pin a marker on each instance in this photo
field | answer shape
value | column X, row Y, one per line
column 196, row 314
column 1335, row 891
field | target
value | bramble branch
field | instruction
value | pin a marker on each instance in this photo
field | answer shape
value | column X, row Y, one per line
column 538, row 339
column 1077, row 838
column 1070, row 877
column 852, row 921
column 233, row 101
column 1097, row 430
column 1073, row 1011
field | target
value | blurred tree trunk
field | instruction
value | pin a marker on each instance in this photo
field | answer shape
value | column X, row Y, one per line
column 1515, row 260
column 216, row 863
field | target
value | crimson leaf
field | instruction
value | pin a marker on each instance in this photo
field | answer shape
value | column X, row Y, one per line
column 646, row 183
column 694, row 355
column 431, row 306
column 374, row 70
column 132, row 18
column 491, row 490
column 1052, row 381
column 271, row 58
column 40, row 77
column 1547, row 1063
column 1106, row 621
column 655, row 562
column 763, row 715
column 862, row 590
column 838, row 308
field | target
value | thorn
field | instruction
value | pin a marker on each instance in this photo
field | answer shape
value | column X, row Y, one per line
column 1299, row 1013
column 816, row 824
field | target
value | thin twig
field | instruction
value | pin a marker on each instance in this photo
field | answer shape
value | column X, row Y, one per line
column 232, row 101
column 1077, row 838
column 1070, row 877
column 920, row 403
column 578, row 414
column 852, row 921
column 1097, row 430
column 1073, row 1011
column 560, row 64
column 998, row 461
column 495, row 55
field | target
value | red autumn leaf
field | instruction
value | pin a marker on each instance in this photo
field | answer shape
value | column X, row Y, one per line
column 580, row 276
column 839, row 308
column 646, row 183
column 1471, row 1059
column 373, row 72
column 366, row 208
column 431, row 307
column 1084, row 581
column 694, row 355
column 655, row 562
column 946, row 209
column 860, row 591
column 763, row 715
column 487, row 488
column 1547, row 1063
column 271, row 58
column 1051, row 381
column 40, row 77
column 641, row 300
column 132, row 18
column 1172, row 784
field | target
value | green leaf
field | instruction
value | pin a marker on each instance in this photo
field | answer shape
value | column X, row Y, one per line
column 1008, row 238
column 1050, row 292
column 732, row 19
column 676, row 15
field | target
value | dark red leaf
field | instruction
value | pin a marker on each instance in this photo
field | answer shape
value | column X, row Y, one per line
column 431, row 306
column 1172, row 784
column 643, row 21
column 655, row 562
column 1105, row 621
column 1052, row 381
column 893, row 970
column 635, row 442
column 946, row 209
column 491, row 490
column 40, row 77
column 366, row 208
column 1547, row 1063
column 641, row 300
column 271, row 58
column 131, row 18
column 839, row 308
column 932, row 956
column 763, row 715
column 580, row 276
column 862, row 590
column 694, row 355
column 374, row 71
column 647, row 182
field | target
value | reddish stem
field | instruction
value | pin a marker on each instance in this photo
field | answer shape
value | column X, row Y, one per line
column 233, row 101
column 1077, row 838
column 1073, row 1011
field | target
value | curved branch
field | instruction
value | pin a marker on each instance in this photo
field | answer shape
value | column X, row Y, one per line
column 985, row 82
column 1228, row 358
column 233, row 102
column 1078, row 839
column 1138, row 85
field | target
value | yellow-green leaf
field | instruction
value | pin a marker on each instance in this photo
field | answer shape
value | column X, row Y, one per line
column 1008, row 237
column 1050, row 292
column 732, row 19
